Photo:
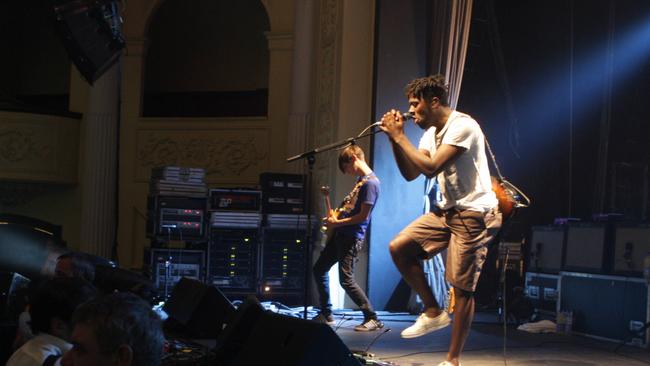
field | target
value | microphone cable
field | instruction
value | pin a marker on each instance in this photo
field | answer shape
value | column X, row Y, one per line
column 405, row 116
column 365, row 352
column 345, row 318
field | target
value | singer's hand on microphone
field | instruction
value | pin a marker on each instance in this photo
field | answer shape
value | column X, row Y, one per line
column 392, row 124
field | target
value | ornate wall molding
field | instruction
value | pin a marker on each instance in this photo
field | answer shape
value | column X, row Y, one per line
column 38, row 147
column 22, row 146
column 227, row 156
column 324, row 126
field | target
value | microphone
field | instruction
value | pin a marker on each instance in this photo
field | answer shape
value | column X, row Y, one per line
column 405, row 116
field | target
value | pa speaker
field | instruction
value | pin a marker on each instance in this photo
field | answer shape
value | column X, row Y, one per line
column 197, row 310
column 259, row 337
column 91, row 33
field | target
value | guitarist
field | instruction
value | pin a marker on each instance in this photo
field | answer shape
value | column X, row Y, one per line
column 346, row 230
column 463, row 215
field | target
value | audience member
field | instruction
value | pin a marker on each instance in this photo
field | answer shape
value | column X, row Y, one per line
column 115, row 329
column 75, row 264
column 70, row 264
column 51, row 311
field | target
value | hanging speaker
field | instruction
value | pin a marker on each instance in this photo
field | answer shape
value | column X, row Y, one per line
column 91, row 33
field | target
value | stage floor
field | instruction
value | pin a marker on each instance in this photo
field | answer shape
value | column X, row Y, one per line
column 484, row 346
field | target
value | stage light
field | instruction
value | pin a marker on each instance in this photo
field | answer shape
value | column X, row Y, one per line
column 590, row 73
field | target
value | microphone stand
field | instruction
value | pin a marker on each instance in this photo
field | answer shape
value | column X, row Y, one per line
column 310, row 156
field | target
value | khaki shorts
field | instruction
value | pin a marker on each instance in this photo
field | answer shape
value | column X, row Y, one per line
column 465, row 234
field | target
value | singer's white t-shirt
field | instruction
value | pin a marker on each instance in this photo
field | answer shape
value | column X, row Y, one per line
column 465, row 183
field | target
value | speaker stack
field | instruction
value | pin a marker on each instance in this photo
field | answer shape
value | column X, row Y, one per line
column 283, row 260
column 176, row 205
column 233, row 249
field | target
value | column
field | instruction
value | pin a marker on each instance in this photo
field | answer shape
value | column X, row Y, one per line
column 99, row 166
column 299, row 113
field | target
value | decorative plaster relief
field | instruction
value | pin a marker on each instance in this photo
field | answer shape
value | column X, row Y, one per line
column 23, row 148
column 38, row 147
column 228, row 156
column 23, row 145
column 327, row 93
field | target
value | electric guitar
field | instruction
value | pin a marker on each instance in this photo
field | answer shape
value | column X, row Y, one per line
column 325, row 191
column 327, row 232
column 346, row 206
column 509, row 197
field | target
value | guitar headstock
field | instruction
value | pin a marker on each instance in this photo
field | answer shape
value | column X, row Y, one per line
column 325, row 190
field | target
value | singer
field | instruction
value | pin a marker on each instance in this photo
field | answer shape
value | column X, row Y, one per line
column 463, row 214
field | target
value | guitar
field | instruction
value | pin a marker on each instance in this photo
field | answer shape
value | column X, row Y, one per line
column 327, row 233
column 509, row 197
column 346, row 206
column 325, row 191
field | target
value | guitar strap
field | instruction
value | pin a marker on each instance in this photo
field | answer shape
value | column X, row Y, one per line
column 502, row 179
column 432, row 187
column 509, row 186
column 347, row 205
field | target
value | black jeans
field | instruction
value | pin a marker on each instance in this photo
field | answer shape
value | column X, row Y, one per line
column 342, row 249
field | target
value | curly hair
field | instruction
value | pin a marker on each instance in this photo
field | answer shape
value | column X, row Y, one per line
column 429, row 87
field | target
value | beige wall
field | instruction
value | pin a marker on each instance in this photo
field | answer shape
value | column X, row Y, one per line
column 39, row 169
column 234, row 151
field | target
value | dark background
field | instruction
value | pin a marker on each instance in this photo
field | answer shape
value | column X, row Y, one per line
column 560, row 89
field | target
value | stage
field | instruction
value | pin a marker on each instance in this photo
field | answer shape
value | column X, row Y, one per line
column 485, row 345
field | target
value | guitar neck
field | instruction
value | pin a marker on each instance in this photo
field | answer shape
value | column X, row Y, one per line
column 328, row 204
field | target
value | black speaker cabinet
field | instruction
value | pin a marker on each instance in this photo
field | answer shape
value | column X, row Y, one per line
column 197, row 310
column 587, row 248
column 546, row 249
column 283, row 193
column 631, row 244
column 91, row 33
column 266, row 338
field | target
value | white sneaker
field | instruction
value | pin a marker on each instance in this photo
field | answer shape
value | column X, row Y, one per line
column 424, row 325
